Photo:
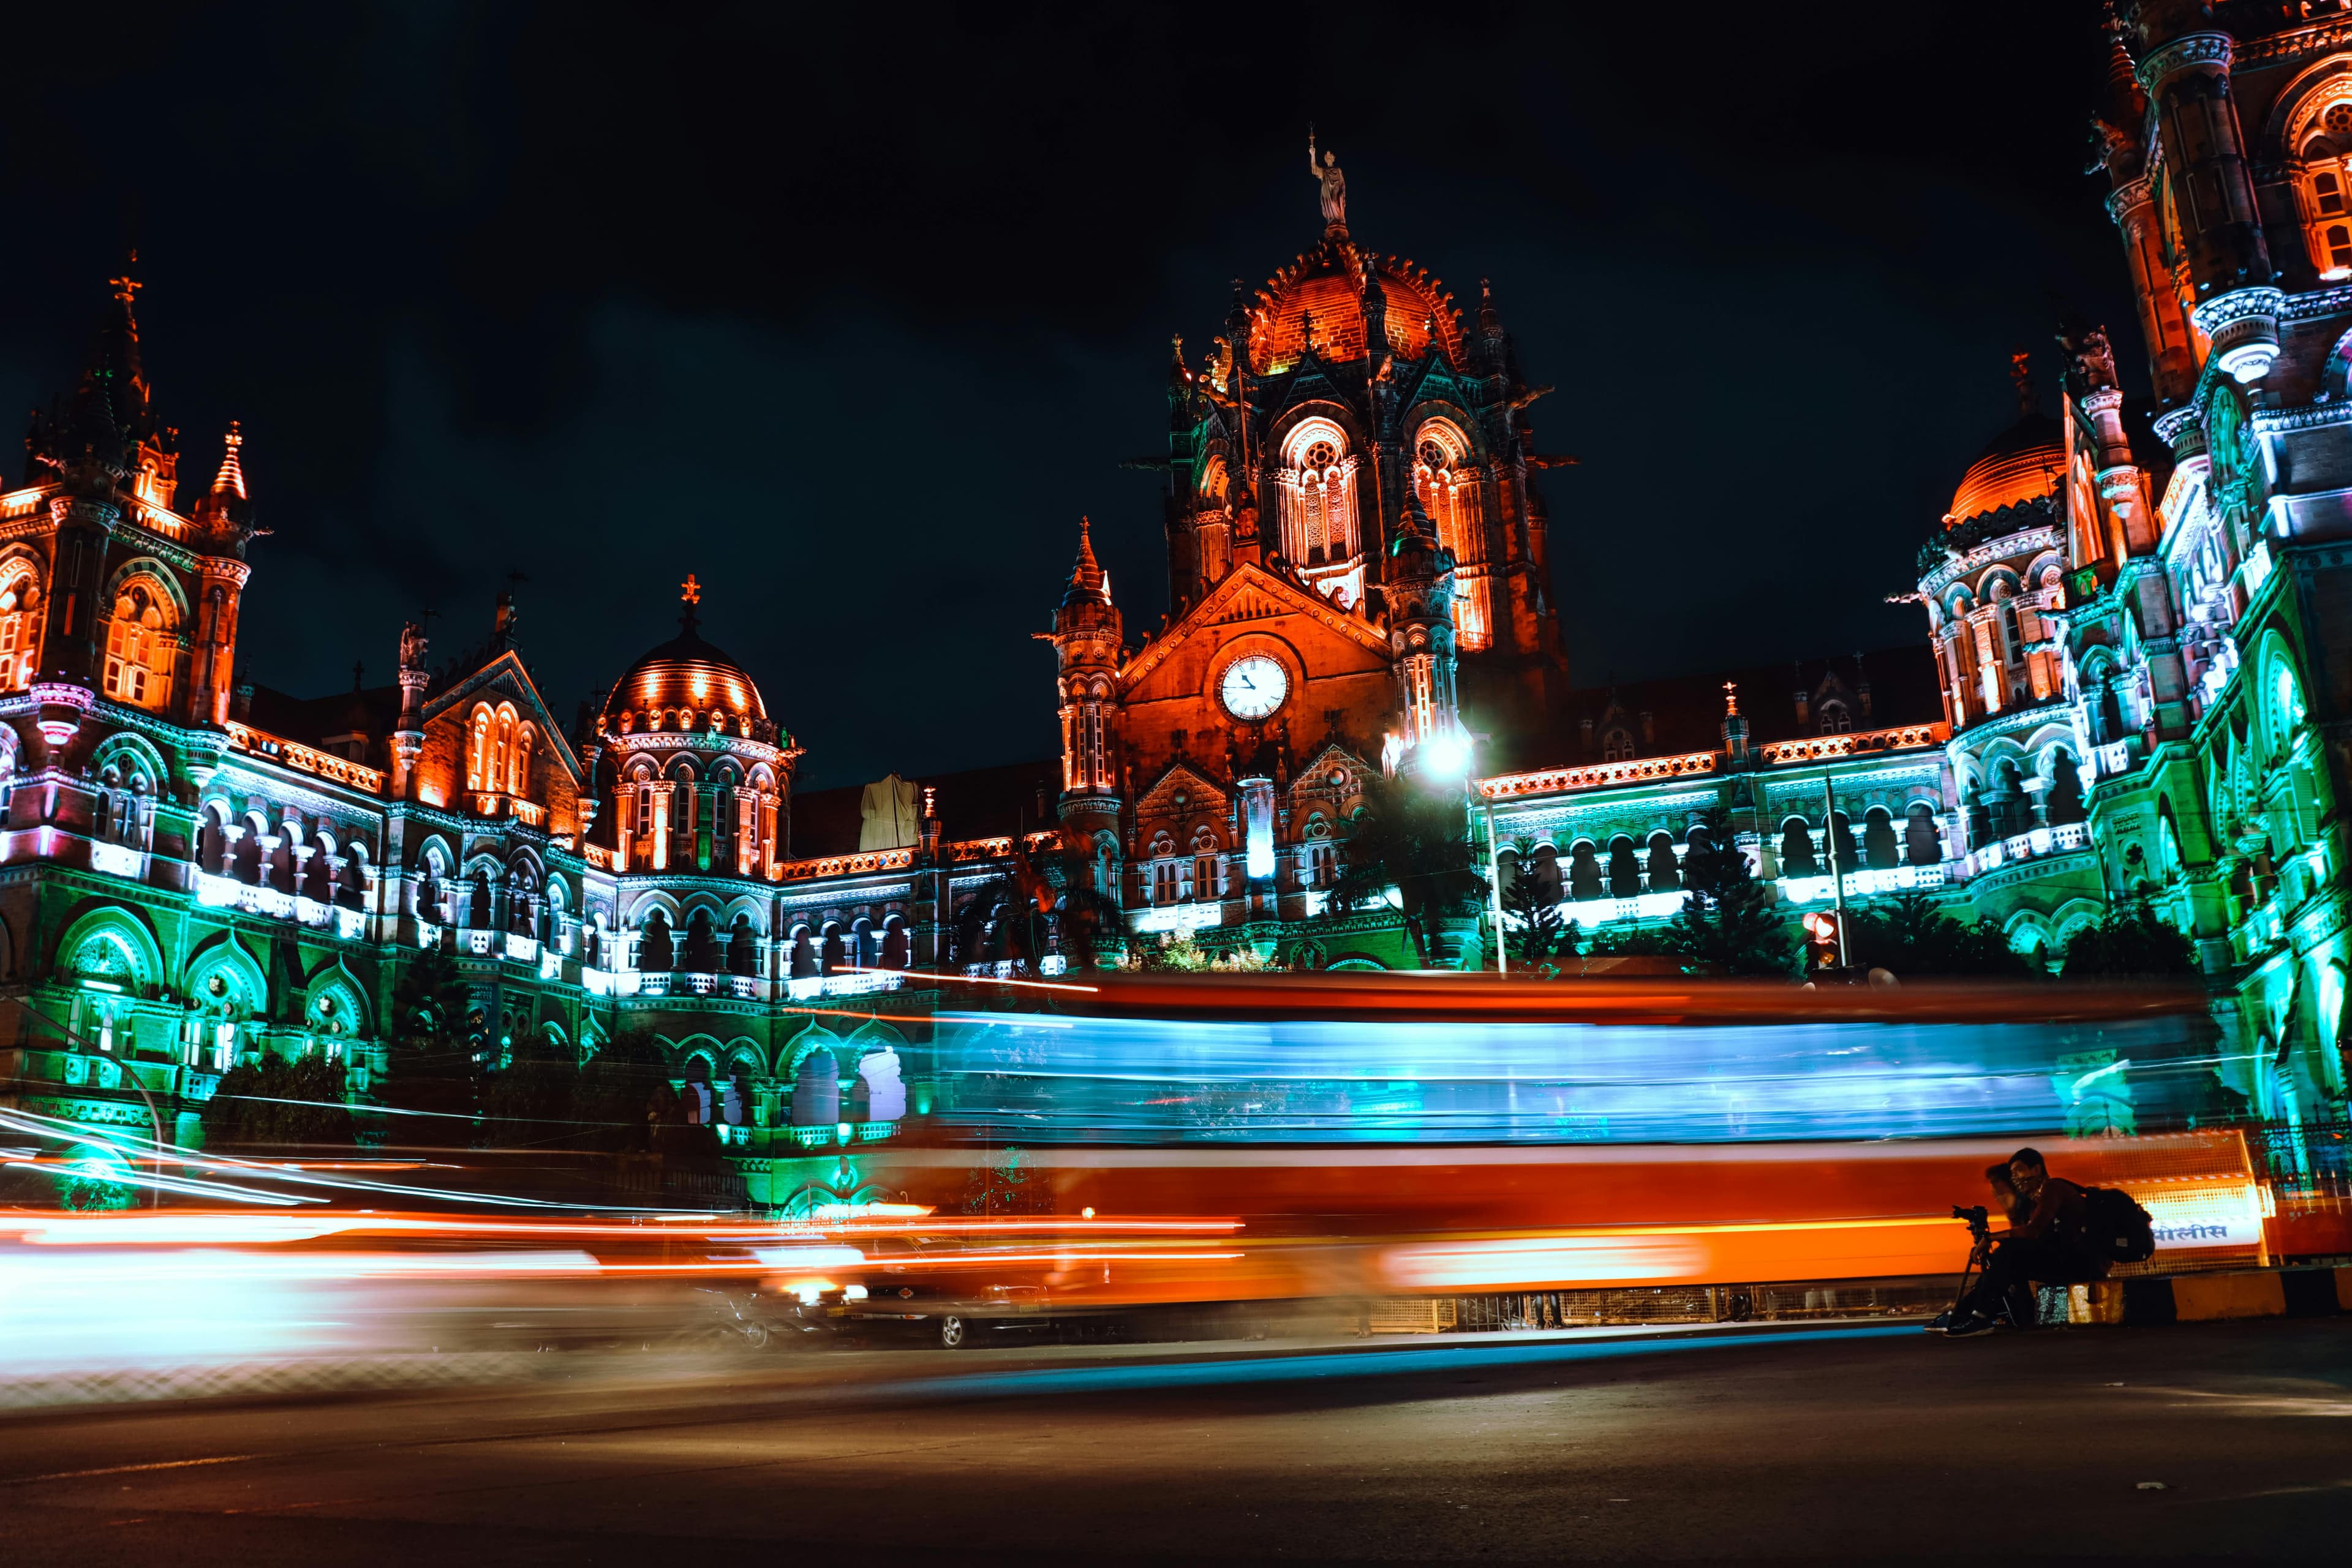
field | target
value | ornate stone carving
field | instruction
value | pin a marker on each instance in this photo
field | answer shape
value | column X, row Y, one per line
column 2184, row 54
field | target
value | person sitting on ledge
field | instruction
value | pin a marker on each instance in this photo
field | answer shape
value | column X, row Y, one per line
column 2051, row 1246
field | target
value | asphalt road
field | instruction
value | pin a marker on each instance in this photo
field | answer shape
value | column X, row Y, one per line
column 1853, row 1446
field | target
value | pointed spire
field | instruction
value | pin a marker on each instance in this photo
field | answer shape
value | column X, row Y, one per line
column 230, row 480
column 1490, row 321
column 1088, row 580
column 2123, row 93
column 1179, row 376
column 1376, row 313
column 1237, row 320
column 114, row 361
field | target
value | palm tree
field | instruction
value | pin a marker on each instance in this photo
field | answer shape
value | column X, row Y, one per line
column 1051, row 883
column 1414, row 841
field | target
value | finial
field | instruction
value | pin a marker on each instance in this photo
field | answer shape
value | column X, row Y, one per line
column 2021, row 374
column 230, row 480
column 690, row 595
column 126, row 286
column 359, row 673
column 1730, row 698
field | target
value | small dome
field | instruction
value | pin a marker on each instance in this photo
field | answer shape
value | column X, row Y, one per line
column 2022, row 464
column 1326, row 288
column 681, row 685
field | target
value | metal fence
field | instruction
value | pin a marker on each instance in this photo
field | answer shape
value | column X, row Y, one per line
column 1700, row 1304
column 2310, row 1157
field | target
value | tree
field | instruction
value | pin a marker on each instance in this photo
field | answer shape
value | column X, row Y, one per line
column 1533, row 926
column 622, row 1102
column 1085, row 910
column 433, row 1062
column 2133, row 942
column 1004, row 1184
column 531, row 1101
column 1907, row 936
column 1013, row 906
column 1729, row 920
column 1413, row 840
column 280, row 1107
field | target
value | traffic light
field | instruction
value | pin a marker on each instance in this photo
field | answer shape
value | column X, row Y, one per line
column 1822, row 940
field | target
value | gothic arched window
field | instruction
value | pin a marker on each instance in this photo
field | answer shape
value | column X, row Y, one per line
column 2325, row 191
column 1208, row 881
column 1617, row 746
column 1448, row 490
column 1797, row 849
column 140, row 645
column 19, row 625
column 1317, row 495
column 1835, row 720
column 1923, row 841
column 478, row 744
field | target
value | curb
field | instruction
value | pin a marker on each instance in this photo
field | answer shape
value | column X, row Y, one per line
column 2212, row 1297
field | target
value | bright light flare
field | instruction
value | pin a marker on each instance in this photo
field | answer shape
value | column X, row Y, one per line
column 1445, row 756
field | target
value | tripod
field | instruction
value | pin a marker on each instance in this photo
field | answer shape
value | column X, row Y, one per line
column 1979, row 1251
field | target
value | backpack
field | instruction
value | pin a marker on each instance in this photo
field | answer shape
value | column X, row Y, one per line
column 2116, row 1228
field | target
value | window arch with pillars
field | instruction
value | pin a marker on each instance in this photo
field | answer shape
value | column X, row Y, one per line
column 20, row 622
column 2321, row 137
column 1318, row 490
column 1450, row 489
column 499, row 749
column 142, row 642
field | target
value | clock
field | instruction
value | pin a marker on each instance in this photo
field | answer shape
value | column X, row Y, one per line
column 1252, row 686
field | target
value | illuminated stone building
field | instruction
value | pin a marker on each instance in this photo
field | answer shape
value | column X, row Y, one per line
column 1358, row 575
column 2133, row 681
column 2135, row 677
column 194, row 871
column 2140, row 615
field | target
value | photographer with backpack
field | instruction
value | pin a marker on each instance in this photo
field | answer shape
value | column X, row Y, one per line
column 2070, row 1235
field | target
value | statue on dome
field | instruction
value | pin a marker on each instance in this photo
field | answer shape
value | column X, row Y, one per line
column 1335, row 183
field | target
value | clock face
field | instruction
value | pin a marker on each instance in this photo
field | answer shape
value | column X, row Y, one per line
column 1253, row 686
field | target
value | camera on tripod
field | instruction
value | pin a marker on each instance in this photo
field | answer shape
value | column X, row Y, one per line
column 1980, row 1219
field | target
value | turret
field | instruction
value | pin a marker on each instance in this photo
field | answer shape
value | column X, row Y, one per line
column 2120, row 147
column 1087, row 637
column 408, row 733
column 224, row 520
column 2184, row 70
column 1420, row 594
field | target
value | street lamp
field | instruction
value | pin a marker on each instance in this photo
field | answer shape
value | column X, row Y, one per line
column 1443, row 758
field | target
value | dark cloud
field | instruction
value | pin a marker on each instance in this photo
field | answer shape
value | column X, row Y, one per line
column 853, row 310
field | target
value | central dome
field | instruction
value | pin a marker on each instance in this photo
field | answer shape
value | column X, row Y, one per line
column 1321, row 296
column 687, row 685
column 2020, row 465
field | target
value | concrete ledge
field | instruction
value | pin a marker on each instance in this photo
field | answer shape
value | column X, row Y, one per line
column 2213, row 1298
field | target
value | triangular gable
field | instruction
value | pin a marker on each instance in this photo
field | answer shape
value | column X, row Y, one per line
column 509, row 662
column 1160, row 800
column 1315, row 778
column 1249, row 594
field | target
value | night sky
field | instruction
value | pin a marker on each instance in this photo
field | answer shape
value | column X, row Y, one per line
column 852, row 310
